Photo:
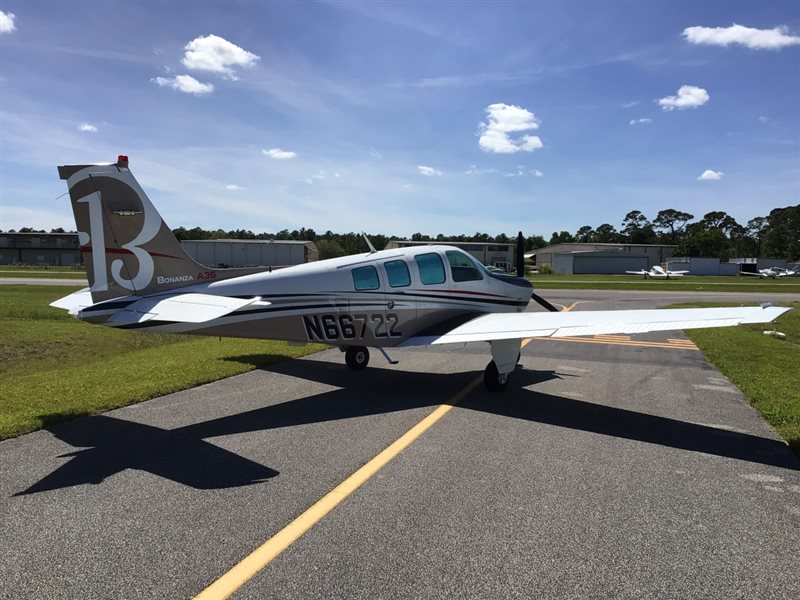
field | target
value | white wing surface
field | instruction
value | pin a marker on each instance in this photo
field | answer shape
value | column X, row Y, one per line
column 567, row 324
column 75, row 302
column 181, row 308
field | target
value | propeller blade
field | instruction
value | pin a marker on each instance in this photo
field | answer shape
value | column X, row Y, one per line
column 544, row 302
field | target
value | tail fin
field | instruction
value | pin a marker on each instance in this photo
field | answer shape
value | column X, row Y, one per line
column 126, row 246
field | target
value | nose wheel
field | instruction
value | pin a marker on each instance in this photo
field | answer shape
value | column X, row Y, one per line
column 493, row 379
column 356, row 357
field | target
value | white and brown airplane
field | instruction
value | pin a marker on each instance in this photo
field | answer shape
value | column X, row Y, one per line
column 773, row 272
column 141, row 278
column 658, row 272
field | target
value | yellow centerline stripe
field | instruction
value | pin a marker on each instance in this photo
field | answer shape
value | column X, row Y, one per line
column 231, row 581
column 621, row 343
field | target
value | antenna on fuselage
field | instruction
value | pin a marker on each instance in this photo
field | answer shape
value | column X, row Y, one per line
column 371, row 247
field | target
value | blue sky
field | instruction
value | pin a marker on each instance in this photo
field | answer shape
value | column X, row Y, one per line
column 403, row 117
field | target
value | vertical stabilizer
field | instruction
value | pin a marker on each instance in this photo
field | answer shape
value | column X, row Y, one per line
column 126, row 246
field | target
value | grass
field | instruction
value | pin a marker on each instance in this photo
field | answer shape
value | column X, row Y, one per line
column 78, row 275
column 763, row 367
column 687, row 283
column 57, row 368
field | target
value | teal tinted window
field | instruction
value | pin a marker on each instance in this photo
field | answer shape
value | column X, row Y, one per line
column 366, row 278
column 431, row 268
column 397, row 272
column 462, row 268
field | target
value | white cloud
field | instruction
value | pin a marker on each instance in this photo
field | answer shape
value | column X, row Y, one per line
column 756, row 39
column 709, row 175
column 689, row 96
column 216, row 54
column 186, row 84
column 763, row 120
column 474, row 170
column 522, row 172
column 88, row 127
column 630, row 104
column 234, row 188
column 428, row 171
column 643, row 121
column 7, row 22
column 503, row 120
column 279, row 154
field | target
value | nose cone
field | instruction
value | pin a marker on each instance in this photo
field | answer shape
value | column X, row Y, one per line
column 516, row 287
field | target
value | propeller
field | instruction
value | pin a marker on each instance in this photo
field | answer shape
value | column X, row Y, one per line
column 543, row 302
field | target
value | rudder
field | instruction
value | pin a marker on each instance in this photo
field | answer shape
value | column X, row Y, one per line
column 126, row 245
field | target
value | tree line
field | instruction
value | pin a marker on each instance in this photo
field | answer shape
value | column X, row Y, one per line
column 716, row 235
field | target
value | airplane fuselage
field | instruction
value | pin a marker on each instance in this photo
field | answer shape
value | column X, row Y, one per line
column 377, row 299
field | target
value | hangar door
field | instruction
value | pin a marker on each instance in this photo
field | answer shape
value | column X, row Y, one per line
column 598, row 265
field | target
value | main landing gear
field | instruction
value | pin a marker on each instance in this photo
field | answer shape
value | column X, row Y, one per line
column 356, row 357
column 493, row 379
column 505, row 356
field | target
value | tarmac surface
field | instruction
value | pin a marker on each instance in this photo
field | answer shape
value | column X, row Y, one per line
column 611, row 467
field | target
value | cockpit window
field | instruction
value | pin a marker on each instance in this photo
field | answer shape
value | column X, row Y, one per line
column 431, row 268
column 366, row 278
column 462, row 267
column 397, row 272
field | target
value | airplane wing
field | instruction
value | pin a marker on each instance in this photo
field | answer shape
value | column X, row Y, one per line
column 181, row 308
column 749, row 273
column 642, row 272
column 677, row 272
column 502, row 326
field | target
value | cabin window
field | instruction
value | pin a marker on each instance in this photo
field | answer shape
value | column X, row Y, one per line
column 366, row 278
column 431, row 268
column 462, row 268
column 397, row 272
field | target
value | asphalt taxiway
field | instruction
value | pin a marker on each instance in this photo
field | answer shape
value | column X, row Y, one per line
column 612, row 467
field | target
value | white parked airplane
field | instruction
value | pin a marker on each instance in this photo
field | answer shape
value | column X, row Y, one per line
column 658, row 272
column 773, row 272
column 141, row 278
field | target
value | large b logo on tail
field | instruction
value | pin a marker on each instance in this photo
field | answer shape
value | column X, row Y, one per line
column 150, row 228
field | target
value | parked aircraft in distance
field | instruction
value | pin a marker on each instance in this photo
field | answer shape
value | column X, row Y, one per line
column 658, row 272
column 141, row 278
column 773, row 272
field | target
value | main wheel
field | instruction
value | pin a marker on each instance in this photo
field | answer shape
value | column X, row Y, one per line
column 356, row 357
column 493, row 380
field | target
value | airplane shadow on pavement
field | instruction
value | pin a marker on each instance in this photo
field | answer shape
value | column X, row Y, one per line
column 108, row 445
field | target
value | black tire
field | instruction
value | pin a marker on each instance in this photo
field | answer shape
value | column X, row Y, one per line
column 356, row 357
column 493, row 381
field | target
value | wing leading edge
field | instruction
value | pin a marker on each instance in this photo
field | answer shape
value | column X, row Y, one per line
column 506, row 326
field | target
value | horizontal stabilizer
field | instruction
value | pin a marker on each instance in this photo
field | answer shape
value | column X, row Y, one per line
column 181, row 308
column 568, row 324
column 75, row 302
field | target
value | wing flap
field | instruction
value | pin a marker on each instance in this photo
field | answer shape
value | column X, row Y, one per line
column 181, row 308
column 569, row 324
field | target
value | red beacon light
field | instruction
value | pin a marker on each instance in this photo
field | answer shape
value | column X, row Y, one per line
column 122, row 160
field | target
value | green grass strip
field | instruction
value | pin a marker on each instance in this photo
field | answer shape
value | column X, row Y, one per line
column 681, row 284
column 56, row 368
column 763, row 367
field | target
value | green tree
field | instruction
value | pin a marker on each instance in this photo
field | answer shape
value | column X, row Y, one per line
column 672, row 220
column 607, row 234
column 585, row 234
column 782, row 237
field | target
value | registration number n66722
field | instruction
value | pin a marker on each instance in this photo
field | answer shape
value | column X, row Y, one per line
column 329, row 328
